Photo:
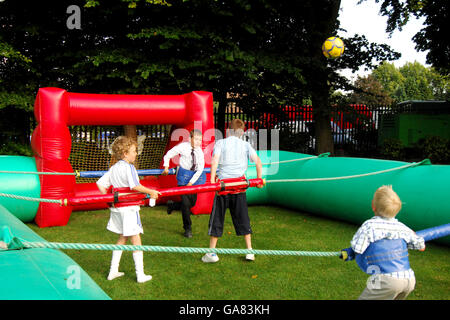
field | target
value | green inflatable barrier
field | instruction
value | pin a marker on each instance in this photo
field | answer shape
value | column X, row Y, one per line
column 43, row 274
column 19, row 184
column 423, row 189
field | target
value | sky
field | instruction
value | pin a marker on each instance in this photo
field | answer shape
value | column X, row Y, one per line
column 364, row 19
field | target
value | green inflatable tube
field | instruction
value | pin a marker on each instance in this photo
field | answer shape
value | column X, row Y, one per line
column 19, row 184
column 40, row 274
column 423, row 189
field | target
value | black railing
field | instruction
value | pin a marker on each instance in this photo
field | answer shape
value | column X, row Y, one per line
column 354, row 128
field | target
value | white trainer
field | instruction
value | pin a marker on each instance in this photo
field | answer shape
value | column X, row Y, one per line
column 250, row 257
column 114, row 274
column 210, row 258
column 141, row 278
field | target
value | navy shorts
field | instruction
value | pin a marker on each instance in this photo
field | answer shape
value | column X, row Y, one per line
column 237, row 203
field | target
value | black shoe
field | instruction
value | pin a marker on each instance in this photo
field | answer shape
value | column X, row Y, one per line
column 170, row 207
column 188, row 233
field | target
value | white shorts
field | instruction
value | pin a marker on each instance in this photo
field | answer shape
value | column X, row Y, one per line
column 125, row 221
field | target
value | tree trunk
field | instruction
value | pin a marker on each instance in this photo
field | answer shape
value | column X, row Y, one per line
column 131, row 131
column 324, row 139
column 223, row 102
column 320, row 86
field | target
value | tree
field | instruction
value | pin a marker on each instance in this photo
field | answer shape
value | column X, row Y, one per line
column 390, row 78
column 440, row 85
column 369, row 92
column 412, row 81
column 263, row 53
column 416, row 84
column 433, row 37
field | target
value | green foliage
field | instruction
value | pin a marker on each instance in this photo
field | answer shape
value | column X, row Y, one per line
column 436, row 148
column 412, row 81
column 433, row 37
column 132, row 4
column 369, row 91
column 14, row 92
column 15, row 131
column 392, row 148
column 440, row 85
column 8, row 52
column 18, row 100
column 263, row 53
column 15, row 149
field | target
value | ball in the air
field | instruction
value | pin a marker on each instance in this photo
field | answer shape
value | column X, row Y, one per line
column 333, row 47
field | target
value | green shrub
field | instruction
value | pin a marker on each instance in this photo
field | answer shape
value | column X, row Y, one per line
column 15, row 149
column 436, row 148
column 392, row 149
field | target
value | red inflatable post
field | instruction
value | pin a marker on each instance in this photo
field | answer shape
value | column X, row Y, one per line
column 51, row 144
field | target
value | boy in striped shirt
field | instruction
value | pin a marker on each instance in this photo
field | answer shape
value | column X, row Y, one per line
column 381, row 246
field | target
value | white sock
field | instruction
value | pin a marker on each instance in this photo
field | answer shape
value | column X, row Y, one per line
column 114, row 269
column 138, row 257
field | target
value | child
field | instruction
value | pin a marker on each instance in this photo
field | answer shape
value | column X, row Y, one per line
column 230, row 159
column 125, row 220
column 381, row 245
column 190, row 172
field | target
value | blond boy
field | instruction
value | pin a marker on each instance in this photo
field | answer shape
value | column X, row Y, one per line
column 125, row 220
column 380, row 247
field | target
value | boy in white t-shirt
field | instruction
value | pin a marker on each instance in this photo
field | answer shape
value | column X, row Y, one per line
column 125, row 220
column 230, row 160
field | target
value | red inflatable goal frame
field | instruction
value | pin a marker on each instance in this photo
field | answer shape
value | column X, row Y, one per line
column 56, row 109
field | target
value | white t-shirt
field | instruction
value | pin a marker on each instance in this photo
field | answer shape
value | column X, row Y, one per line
column 121, row 175
column 234, row 155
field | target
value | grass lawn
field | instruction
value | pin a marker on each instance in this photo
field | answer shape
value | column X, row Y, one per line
column 183, row 276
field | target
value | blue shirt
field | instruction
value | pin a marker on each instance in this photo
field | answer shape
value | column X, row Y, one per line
column 234, row 155
column 378, row 228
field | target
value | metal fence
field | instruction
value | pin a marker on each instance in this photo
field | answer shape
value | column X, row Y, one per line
column 354, row 127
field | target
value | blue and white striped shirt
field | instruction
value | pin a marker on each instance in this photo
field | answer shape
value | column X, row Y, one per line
column 378, row 228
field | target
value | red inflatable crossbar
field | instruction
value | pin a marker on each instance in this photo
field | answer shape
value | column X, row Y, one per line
column 126, row 195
